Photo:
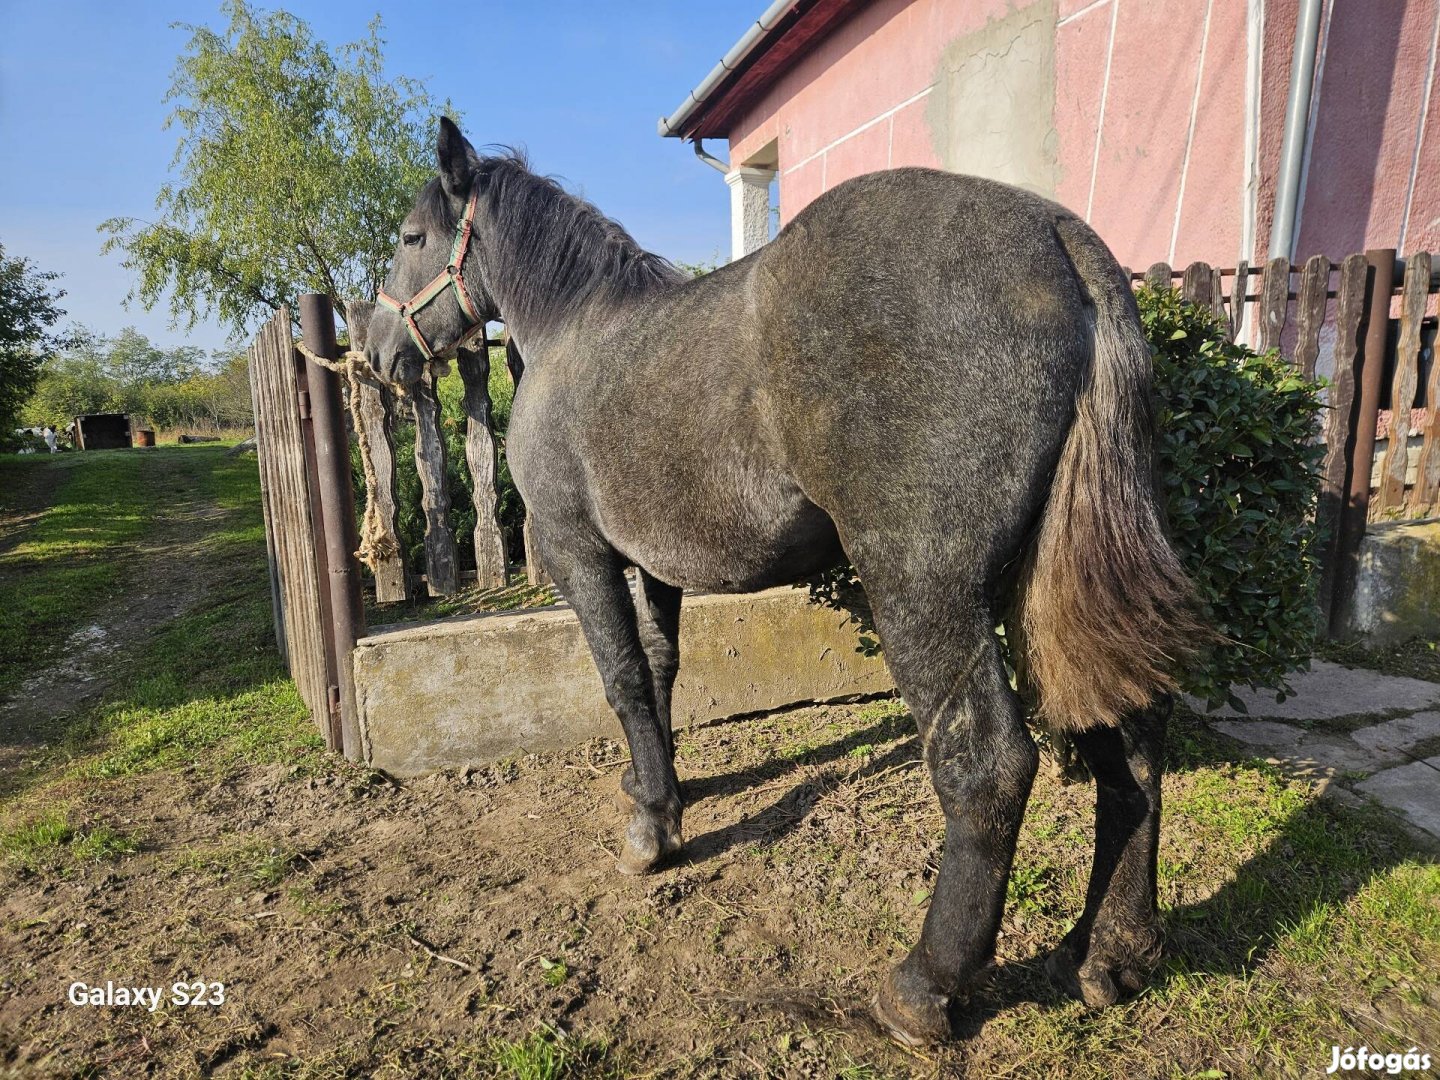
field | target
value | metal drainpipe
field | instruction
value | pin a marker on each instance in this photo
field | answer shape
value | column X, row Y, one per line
column 709, row 158
column 1297, row 128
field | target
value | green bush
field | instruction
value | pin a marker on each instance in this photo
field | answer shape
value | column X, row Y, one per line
column 1238, row 463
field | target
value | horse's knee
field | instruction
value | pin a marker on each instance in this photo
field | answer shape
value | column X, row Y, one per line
column 990, row 779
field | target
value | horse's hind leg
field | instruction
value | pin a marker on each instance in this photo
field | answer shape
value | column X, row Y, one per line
column 1117, row 941
column 982, row 761
column 657, row 608
column 593, row 582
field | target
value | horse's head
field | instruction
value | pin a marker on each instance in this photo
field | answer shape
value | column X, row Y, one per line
column 435, row 295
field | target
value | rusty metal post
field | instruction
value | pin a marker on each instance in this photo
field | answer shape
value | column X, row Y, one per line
column 337, row 502
column 1369, row 375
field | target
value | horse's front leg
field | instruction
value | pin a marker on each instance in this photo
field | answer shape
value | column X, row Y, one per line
column 657, row 605
column 591, row 577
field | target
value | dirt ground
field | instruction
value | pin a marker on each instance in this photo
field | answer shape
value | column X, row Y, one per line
column 475, row 924
column 364, row 927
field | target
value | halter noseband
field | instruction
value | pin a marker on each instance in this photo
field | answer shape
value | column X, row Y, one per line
column 450, row 277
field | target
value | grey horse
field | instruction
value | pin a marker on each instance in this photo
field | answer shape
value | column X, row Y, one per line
column 939, row 378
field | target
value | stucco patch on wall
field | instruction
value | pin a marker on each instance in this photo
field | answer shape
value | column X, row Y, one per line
column 993, row 110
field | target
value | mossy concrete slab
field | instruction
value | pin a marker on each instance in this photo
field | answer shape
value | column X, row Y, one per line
column 1397, row 588
column 486, row 687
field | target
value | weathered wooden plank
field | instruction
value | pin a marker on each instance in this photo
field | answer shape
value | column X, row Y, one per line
column 1274, row 302
column 280, row 453
column 1425, row 496
column 1217, row 301
column 277, row 607
column 1158, row 276
column 328, row 719
column 1239, row 290
column 482, row 455
column 374, row 410
column 1310, row 313
column 375, row 407
column 1334, row 481
column 1195, row 284
column 442, row 565
column 534, row 568
column 1393, row 465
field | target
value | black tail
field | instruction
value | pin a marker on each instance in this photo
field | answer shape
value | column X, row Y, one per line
column 1106, row 609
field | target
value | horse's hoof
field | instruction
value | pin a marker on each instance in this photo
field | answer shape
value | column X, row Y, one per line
column 1110, row 973
column 910, row 1010
column 648, row 844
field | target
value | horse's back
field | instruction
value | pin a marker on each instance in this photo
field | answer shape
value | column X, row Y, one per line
column 903, row 356
column 923, row 336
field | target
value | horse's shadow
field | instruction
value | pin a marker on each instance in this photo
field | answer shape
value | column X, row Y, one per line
column 1321, row 856
column 792, row 807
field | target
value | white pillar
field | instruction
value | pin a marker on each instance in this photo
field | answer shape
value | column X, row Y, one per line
column 749, row 209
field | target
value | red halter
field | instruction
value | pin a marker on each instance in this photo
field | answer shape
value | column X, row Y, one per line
column 450, row 277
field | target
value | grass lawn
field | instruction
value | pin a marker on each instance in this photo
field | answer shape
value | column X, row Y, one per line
column 184, row 822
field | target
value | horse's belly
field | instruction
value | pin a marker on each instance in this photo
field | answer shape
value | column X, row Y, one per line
column 732, row 552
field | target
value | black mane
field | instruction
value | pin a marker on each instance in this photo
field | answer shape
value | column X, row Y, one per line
column 556, row 249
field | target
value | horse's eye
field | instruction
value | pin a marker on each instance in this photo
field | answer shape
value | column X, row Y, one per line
column 414, row 239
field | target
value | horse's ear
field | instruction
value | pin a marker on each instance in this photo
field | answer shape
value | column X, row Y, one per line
column 457, row 159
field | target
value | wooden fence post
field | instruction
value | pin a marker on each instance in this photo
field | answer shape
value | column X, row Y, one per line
column 1379, row 285
column 1158, row 276
column 1425, row 497
column 534, row 569
column 375, row 407
column 1239, row 290
column 1334, row 481
column 1195, row 286
column 442, row 565
column 1396, row 462
column 337, row 508
column 1310, row 313
column 1274, row 301
column 482, row 454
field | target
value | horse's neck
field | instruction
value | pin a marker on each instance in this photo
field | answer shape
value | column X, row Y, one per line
column 536, row 318
column 542, row 314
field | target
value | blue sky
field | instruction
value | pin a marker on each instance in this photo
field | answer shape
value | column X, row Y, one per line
column 579, row 84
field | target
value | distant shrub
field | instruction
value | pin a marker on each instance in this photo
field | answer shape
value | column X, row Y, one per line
column 1238, row 466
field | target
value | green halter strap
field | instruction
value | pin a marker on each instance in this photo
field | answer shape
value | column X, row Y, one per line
column 450, row 277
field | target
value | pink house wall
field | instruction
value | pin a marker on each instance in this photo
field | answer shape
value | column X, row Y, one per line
column 1166, row 124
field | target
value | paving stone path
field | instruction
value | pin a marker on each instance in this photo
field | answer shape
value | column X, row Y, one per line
column 1378, row 735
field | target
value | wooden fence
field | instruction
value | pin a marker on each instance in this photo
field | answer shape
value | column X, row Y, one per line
column 1367, row 322
column 315, row 545
column 1371, row 316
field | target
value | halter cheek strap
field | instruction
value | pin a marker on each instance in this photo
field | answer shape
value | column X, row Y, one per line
column 452, row 277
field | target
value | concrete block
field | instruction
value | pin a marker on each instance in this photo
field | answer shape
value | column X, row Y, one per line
column 1262, row 733
column 1399, row 734
column 1329, row 690
column 1307, row 753
column 1413, row 790
column 475, row 689
column 1397, row 588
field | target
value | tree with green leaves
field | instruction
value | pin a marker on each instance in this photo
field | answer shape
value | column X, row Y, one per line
column 176, row 387
column 29, row 307
column 296, row 164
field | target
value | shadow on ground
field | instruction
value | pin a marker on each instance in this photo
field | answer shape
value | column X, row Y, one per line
column 1322, row 855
